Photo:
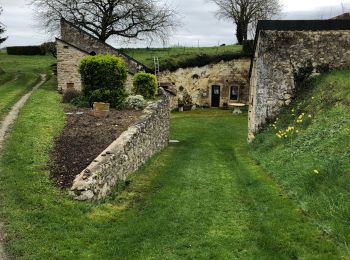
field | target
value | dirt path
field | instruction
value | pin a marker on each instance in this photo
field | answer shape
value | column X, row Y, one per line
column 4, row 129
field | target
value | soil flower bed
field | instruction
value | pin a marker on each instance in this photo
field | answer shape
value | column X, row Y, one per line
column 83, row 138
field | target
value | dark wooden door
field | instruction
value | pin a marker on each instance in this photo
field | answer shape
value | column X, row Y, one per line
column 215, row 96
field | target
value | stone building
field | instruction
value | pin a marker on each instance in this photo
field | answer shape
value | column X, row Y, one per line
column 75, row 44
column 212, row 85
column 282, row 50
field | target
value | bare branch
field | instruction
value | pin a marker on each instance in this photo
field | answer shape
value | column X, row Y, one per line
column 246, row 13
column 140, row 19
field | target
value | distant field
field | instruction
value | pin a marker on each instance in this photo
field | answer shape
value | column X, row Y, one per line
column 146, row 55
column 32, row 64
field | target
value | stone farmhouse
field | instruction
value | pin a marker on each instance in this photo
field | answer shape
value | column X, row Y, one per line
column 73, row 45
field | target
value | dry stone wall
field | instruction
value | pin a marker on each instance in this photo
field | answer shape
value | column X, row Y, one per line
column 197, row 82
column 126, row 154
column 279, row 56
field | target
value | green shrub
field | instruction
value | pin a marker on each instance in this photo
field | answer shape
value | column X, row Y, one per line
column 145, row 84
column 104, row 78
column 135, row 102
column 80, row 101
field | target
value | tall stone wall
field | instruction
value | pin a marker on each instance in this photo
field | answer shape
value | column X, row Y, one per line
column 125, row 155
column 197, row 82
column 278, row 56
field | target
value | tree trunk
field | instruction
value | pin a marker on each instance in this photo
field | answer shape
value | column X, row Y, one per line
column 242, row 32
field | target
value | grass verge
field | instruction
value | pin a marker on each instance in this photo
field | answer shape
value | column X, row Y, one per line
column 307, row 151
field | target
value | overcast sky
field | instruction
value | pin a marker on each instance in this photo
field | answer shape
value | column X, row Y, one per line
column 199, row 24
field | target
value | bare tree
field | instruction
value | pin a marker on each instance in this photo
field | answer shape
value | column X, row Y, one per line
column 133, row 19
column 2, row 29
column 246, row 13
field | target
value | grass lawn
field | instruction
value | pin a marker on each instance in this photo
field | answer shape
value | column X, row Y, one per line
column 21, row 74
column 202, row 198
column 13, row 90
column 312, row 164
column 146, row 55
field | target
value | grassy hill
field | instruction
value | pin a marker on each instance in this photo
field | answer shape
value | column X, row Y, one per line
column 178, row 55
column 307, row 152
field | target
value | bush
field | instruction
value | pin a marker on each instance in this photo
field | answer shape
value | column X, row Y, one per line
column 80, row 101
column 25, row 50
column 69, row 95
column 135, row 102
column 145, row 84
column 103, row 78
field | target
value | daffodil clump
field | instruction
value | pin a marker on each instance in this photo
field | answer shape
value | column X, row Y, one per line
column 292, row 129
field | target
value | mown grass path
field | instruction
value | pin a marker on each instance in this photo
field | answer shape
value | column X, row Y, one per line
column 11, row 96
column 202, row 198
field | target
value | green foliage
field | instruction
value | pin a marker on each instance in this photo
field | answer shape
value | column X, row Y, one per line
column 104, row 78
column 135, row 102
column 25, row 50
column 311, row 161
column 80, row 101
column 145, row 84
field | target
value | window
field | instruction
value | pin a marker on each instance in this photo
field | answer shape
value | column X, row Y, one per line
column 234, row 93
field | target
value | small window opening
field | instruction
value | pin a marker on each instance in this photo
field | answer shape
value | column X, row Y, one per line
column 234, row 93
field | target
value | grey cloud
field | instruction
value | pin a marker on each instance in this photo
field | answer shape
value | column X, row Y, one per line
column 197, row 16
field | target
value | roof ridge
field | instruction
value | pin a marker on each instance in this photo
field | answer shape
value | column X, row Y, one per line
column 104, row 43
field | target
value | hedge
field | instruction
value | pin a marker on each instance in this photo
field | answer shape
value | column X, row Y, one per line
column 25, row 50
column 145, row 84
column 103, row 78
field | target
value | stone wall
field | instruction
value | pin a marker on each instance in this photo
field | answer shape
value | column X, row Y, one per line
column 125, row 155
column 68, row 59
column 197, row 82
column 89, row 43
column 278, row 56
column 75, row 44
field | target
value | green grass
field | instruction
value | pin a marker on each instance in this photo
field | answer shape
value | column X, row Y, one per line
column 177, row 54
column 32, row 64
column 202, row 198
column 313, row 165
column 13, row 90
column 21, row 74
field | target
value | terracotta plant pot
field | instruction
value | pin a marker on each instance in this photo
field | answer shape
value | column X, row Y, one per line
column 101, row 109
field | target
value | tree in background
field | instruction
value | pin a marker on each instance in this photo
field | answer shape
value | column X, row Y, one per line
column 132, row 19
column 2, row 29
column 246, row 13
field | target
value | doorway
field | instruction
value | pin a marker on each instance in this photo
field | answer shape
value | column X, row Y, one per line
column 215, row 96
